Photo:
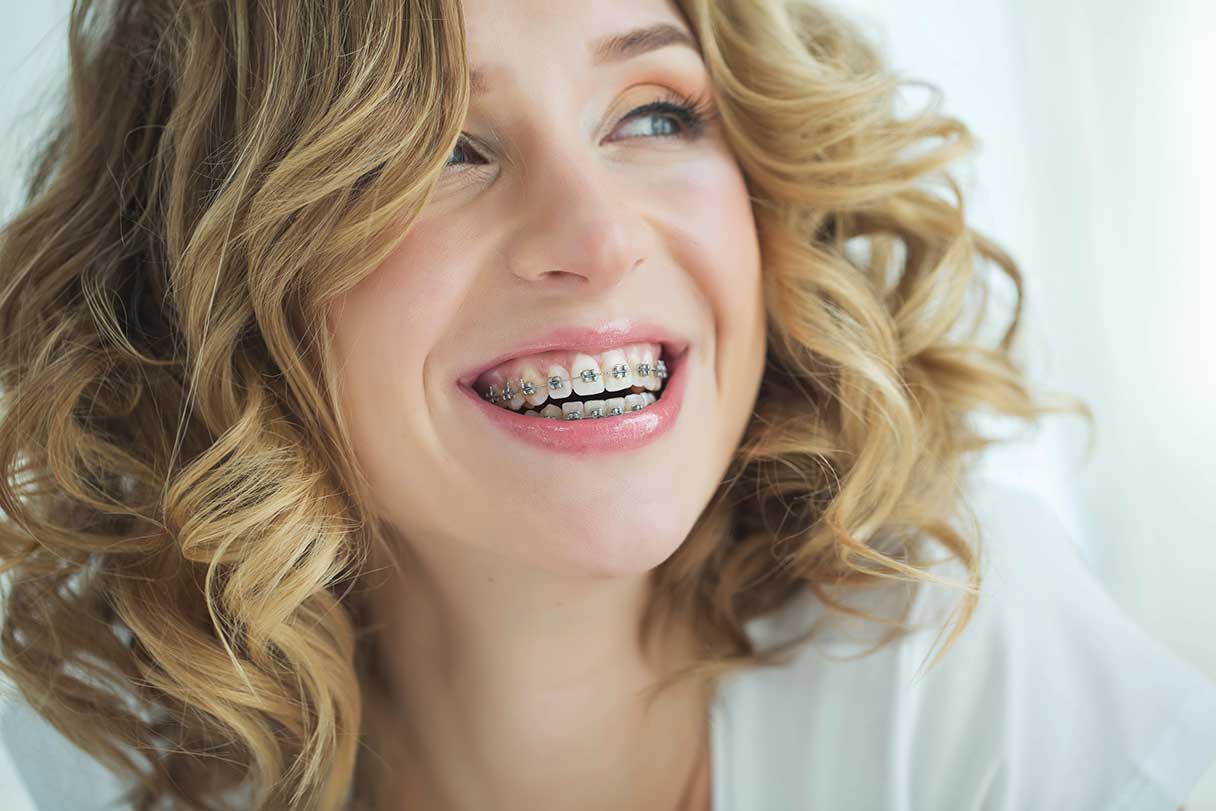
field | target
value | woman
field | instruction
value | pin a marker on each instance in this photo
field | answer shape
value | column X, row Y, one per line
column 441, row 405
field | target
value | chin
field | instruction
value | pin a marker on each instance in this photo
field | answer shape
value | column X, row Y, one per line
column 631, row 545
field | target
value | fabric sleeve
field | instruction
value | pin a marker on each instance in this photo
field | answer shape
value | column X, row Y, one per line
column 40, row 770
column 1053, row 697
column 12, row 787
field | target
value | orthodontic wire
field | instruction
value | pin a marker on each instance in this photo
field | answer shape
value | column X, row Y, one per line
column 659, row 368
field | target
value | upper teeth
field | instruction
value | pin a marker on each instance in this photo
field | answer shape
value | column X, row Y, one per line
column 557, row 375
column 558, row 384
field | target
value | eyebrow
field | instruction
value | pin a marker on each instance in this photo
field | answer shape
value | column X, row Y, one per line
column 615, row 48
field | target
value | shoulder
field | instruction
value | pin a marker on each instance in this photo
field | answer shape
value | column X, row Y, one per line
column 1052, row 697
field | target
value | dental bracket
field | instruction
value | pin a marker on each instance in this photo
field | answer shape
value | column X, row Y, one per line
column 556, row 383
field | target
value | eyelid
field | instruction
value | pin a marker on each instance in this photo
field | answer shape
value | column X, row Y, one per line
column 698, row 106
column 696, row 110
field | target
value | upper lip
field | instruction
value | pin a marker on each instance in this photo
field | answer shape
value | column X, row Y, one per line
column 590, row 340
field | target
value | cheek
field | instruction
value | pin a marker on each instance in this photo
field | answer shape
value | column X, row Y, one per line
column 714, row 237
column 404, row 306
column 387, row 326
column 707, row 205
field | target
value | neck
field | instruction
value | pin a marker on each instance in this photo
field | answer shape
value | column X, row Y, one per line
column 507, row 689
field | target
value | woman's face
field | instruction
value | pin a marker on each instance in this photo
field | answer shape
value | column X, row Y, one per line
column 571, row 233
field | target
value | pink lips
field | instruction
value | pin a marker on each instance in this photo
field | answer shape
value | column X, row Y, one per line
column 623, row 432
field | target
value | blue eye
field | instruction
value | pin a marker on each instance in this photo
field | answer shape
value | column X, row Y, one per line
column 686, row 117
column 689, row 117
column 461, row 145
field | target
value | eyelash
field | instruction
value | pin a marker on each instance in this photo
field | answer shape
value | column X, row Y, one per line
column 693, row 112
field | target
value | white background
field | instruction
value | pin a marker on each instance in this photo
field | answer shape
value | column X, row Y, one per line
column 1096, row 171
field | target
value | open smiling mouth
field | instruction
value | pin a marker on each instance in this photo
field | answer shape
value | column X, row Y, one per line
column 562, row 417
column 575, row 386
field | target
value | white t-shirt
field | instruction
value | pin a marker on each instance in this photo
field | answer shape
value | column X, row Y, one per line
column 1052, row 699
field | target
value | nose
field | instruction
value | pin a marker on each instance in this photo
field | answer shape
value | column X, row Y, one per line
column 576, row 234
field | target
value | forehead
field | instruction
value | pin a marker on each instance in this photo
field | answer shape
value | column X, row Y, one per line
column 502, row 33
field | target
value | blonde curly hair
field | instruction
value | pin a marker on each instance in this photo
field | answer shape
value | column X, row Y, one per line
column 185, row 530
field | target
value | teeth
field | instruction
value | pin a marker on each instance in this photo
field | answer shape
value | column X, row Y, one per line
column 495, row 385
column 558, row 382
column 511, row 397
column 633, row 372
column 586, row 376
column 650, row 380
column 532, row 384
column 594, row 409
column 617, row 372
column 575, row 373
column 640, row 361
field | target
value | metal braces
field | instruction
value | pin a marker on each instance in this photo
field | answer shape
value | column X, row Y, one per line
column 557, row 383
column 596, row 413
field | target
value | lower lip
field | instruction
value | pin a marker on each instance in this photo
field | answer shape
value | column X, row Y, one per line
column 623, row 432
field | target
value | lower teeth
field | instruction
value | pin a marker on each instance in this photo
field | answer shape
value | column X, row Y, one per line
column 595, row 409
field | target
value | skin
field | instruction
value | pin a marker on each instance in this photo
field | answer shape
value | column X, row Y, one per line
column 509, row 670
